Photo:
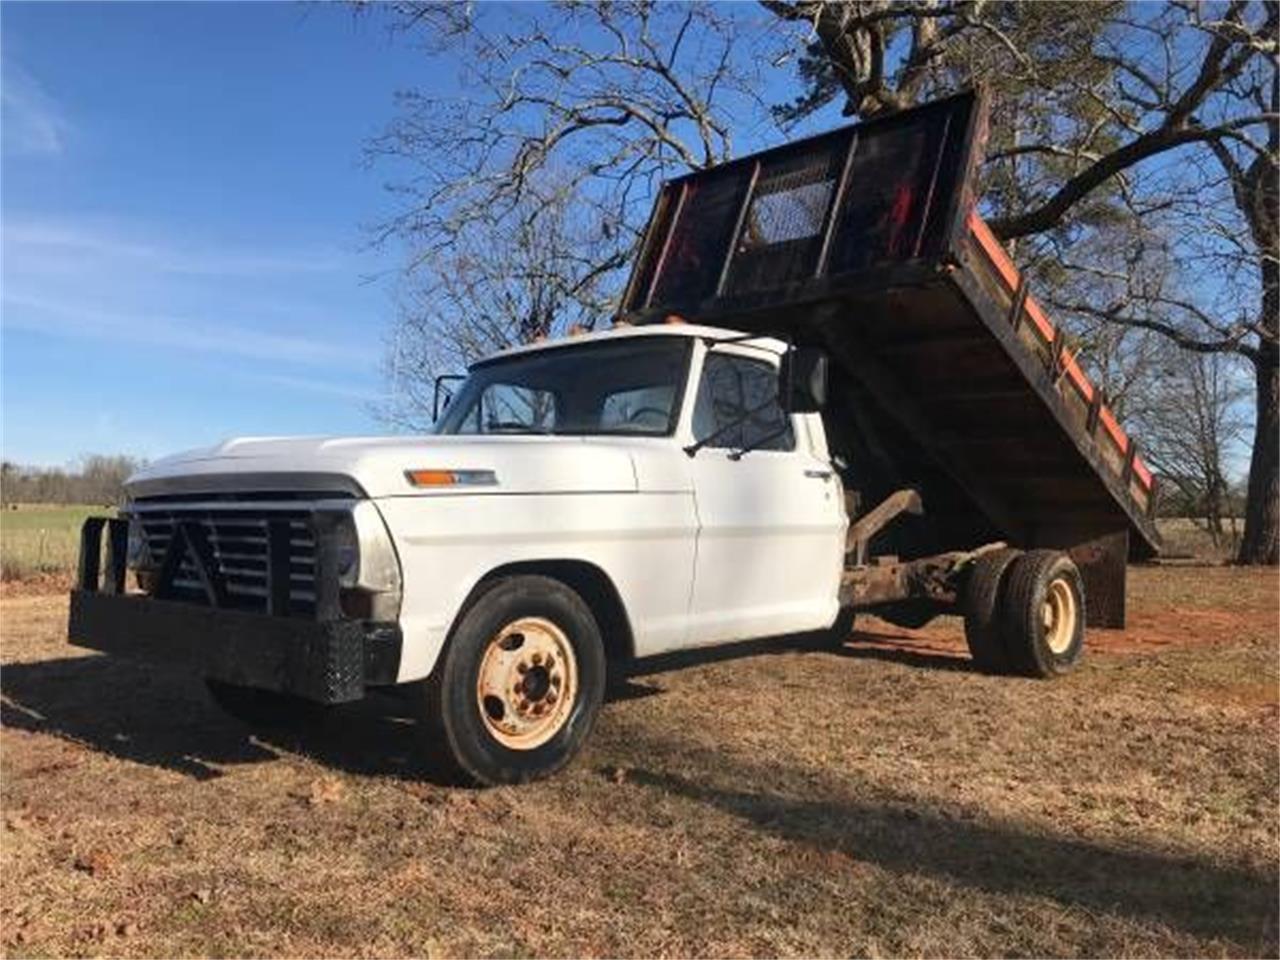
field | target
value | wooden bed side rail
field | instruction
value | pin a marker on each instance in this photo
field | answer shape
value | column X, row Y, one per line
column 1003, row 268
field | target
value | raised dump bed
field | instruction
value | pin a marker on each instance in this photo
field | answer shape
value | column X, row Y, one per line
column 949, row 377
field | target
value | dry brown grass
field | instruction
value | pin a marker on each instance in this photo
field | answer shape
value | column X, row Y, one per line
column 877, row 800
column 1187, row 538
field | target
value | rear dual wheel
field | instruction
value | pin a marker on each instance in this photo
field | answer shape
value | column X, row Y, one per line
column 1025, row 612
column 983, row 627
column 1044, row 613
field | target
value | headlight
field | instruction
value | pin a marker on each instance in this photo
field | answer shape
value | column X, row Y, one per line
column 347, row 550
column 367, row 566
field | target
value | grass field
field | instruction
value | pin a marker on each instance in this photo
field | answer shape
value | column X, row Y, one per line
column 877, row 799
column 38, row 539
column 1184, row 537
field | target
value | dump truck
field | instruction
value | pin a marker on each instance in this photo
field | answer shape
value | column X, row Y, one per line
column 827, row 390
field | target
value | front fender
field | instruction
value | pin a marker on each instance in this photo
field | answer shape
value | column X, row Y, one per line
column 643, row 542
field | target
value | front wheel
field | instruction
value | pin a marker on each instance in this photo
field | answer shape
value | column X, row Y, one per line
column 518, row 686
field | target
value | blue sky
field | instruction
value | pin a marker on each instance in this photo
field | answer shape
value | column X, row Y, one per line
column 186, row 252
column 184, row 204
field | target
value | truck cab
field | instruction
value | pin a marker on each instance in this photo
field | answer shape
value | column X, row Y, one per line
column 633, row 492
column 683, row 461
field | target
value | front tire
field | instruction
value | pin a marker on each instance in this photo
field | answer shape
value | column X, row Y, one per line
column 1044, row 613
column 517, row 688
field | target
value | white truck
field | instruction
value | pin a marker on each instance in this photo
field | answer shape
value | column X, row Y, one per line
column 592, row 500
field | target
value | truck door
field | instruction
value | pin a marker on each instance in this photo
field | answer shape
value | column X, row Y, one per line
column 771, row 521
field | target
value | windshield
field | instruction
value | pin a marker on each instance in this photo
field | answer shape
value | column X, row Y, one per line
column 631, row 386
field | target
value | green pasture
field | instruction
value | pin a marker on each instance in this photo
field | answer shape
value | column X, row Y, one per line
column 40, row 538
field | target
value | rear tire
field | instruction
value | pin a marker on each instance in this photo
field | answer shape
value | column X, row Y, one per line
column 517, row 688
column 1043, row 610
column 983, row 626
column 265, row 709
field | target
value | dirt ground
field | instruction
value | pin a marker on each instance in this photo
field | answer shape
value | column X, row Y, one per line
column 878, row 799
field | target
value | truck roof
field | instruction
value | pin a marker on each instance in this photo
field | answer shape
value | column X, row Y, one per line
column 625, row 331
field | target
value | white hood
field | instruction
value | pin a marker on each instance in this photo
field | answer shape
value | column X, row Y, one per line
column 375, row 466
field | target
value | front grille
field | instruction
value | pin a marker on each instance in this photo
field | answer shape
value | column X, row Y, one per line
column 238, row 541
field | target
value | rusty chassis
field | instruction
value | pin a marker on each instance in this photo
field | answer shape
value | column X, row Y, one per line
column 886, row 579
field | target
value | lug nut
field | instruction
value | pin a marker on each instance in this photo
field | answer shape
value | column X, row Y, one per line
column 551, row 697
column 537, row 659
column 522, row 667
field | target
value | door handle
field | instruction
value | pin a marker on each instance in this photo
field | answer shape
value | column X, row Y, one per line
column 818, row 474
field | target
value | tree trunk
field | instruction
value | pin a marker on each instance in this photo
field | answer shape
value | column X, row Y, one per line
column 1261, row 541
column 1259, row 200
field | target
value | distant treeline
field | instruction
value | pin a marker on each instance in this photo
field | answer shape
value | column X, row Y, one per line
column 99, row 480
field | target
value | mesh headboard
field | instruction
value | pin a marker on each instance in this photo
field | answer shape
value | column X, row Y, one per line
column 889, row 190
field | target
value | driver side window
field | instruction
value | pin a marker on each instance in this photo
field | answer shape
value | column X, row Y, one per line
column 736, row 388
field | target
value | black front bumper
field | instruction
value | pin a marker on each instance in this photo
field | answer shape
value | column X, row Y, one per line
column 329, row 662
column 327, row 659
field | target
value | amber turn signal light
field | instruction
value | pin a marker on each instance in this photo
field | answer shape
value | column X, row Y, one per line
column 451, row 478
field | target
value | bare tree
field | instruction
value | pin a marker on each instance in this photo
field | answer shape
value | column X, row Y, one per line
column 1188, row 271
column 1252, row 167
column 604, row 100
column 504, row 280
column 523, row 200
column 1193, row 422
column 1093, row 104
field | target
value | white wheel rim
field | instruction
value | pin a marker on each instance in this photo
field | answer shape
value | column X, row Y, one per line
column 1059, row 614
column 527, row 683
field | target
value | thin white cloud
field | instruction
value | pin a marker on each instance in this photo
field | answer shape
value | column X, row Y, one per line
column 51, row 246
column 76, row 320
column 330, row 388
column 31, row 121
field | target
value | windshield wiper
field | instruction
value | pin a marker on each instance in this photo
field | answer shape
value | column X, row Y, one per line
column 512, row 427
column 739, row 420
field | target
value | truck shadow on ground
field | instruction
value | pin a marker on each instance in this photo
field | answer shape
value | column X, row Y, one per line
column 844, row 824
column 887, row 645
column 163, row 717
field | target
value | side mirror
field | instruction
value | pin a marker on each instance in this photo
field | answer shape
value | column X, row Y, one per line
column 802, row 384
column 443, row 392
